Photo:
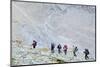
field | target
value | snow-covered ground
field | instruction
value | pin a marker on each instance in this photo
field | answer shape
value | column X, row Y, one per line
column 26, row 55
column 51, row 23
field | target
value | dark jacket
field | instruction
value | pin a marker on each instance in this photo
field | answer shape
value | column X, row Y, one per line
column 86, row 51
column 52, row 46
column 59, row 46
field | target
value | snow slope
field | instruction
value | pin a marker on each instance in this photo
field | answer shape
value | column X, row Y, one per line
column 26, row 55
column 51, row 23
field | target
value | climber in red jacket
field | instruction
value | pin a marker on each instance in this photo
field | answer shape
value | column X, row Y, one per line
column 65, row 49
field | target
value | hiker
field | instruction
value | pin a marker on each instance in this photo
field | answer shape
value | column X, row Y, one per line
column 52, row 47
column 34, row 44
column 59, row 48
column 86, row 52
column 75, row 50
column 65, row 49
